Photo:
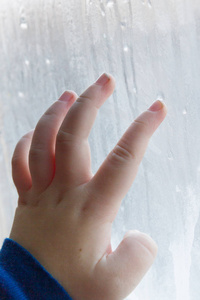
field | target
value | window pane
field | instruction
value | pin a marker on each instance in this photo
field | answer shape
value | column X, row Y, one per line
column 152, row 49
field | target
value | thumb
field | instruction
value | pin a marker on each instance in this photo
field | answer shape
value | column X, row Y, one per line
column 131, row 260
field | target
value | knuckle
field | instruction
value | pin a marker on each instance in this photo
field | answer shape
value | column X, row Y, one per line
column 83, row 99
column 50, row 113
column 64, row 137
column 86, row 100
column 34, row 153
column 143, row 126
column 121, row 154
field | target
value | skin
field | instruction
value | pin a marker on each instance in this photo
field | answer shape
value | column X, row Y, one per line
column 65, row 213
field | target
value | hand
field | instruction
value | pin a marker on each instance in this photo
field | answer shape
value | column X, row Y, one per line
column 64, row 214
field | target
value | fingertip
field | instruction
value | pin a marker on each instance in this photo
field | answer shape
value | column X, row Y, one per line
column 110, row 84
column 143, row 239
column 165, row 109
column 29, row 134
column 158, row 106
column 68, row 95
column 163, row 112
column 112, row 79
column 147, row 242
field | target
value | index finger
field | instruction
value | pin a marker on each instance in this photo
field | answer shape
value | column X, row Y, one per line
column 117, row 173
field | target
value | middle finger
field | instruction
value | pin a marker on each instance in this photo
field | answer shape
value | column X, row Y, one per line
column 73, row 165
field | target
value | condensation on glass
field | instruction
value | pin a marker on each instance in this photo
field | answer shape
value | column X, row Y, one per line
column 152, row 48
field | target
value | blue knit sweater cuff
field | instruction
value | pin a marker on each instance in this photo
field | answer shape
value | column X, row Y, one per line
column 23, row 277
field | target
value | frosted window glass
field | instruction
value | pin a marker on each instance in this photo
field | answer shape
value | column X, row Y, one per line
column 152, row 48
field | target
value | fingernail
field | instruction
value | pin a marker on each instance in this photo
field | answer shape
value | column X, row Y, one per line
column 156, row 106
column 103, row 79
column 66, row 96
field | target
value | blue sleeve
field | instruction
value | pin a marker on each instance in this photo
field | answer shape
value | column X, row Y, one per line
column 22, row 277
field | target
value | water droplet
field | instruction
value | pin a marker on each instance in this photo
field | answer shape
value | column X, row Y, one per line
column 21, row 95
column 135, row 90
column 105, row 36
column 27, row 62
column 126, row 48
column 170, row 158
column 110, row 3
column 123, row 24
column 149, row 4
column 21, row 10
column 103, row 13
column 47, row 61
column 185, row 111
column 23, row 25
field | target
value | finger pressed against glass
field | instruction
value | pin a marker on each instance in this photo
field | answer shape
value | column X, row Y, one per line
column 115, row 176
column 73, row 161
column 42, row 151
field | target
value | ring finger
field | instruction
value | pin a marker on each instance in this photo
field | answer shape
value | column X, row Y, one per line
column 42, row 151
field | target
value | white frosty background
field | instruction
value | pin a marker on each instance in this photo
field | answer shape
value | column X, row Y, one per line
column 152, row 48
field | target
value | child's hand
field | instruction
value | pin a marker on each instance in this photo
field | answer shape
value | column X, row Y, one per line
column 64, row 214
